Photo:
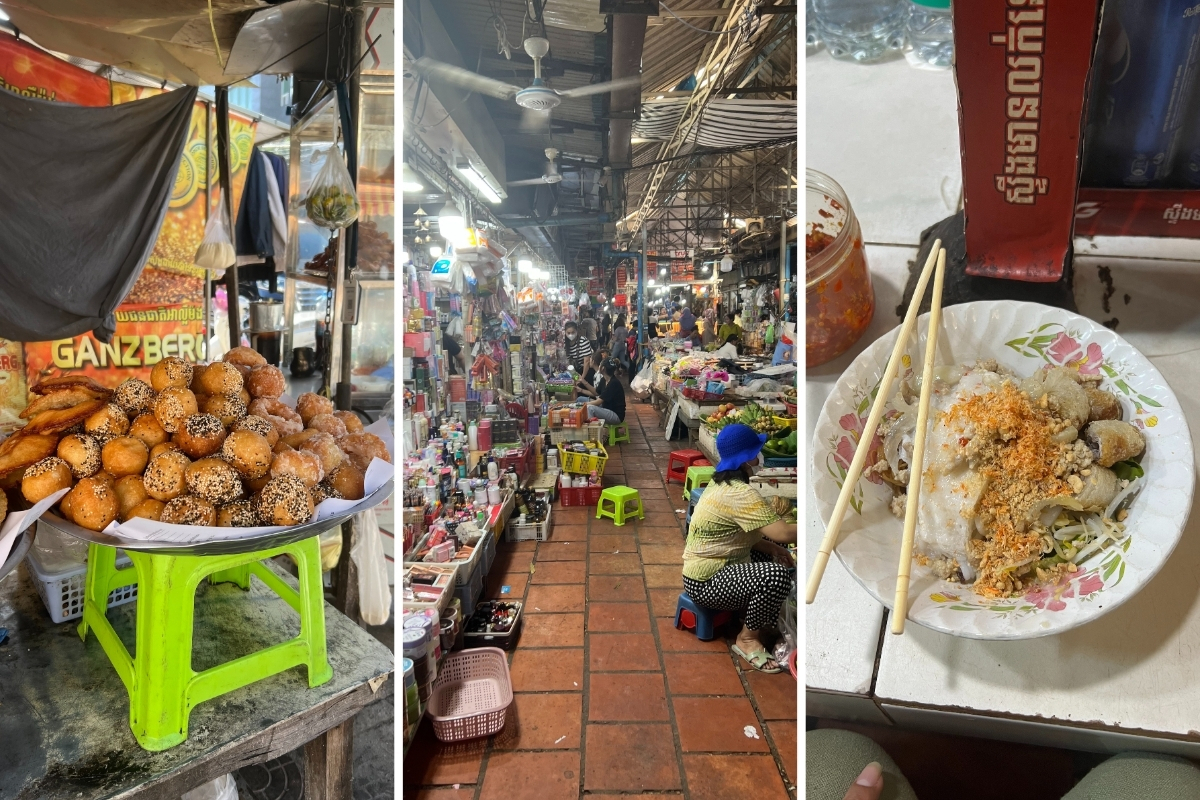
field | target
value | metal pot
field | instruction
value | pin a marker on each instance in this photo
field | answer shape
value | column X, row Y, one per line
column 266, row 315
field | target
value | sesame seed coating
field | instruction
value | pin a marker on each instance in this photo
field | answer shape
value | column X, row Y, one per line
column 285, row 501
column 214, row 480
column 44, row 466
column 189, row 510
column 134, row 396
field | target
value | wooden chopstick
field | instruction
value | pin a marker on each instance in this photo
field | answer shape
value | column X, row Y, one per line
column 916, row 466
column 864, row 442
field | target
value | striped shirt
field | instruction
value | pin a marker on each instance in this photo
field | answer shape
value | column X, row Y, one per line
column 578, row 351
column 725, row 527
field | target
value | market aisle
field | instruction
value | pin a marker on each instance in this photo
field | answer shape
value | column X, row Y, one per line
column 610, row 699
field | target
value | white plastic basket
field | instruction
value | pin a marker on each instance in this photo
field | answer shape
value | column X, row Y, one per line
column 471, row 695
column 537, row 531
column 60, row 567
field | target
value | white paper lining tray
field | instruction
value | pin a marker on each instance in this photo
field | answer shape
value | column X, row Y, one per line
column 18, row 552
column 275, row 537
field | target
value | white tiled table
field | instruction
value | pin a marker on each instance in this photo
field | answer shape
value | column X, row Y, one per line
column 1130, row 680
column 843, row 624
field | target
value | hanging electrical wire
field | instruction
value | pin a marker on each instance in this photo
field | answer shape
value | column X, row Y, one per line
column 496, row 20
column 678, row 18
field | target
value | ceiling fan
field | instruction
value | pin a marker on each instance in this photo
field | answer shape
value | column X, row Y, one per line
column 538, row 97
column 550, row 176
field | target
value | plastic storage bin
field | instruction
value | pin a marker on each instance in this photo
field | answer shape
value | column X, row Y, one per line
column 471, row 695
column 538, row 531
column 470, row 592
column 489, row 553
column 60, row 566
column 583, row 463
column 468, row 568
column 506, row 640
column 581, row 496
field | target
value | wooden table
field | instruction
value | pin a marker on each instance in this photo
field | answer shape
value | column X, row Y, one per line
column 64, row 713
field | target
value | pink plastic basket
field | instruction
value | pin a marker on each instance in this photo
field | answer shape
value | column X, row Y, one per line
column 471, row 695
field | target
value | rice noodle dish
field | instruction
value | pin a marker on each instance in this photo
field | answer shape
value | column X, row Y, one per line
column 1024, row 480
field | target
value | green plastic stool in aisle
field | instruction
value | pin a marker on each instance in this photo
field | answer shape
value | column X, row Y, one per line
column 163, row 688
column 618, row 433
column 696, row 478
column 619, row 496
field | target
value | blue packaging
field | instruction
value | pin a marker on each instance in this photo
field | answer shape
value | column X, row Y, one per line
column 1145, row 69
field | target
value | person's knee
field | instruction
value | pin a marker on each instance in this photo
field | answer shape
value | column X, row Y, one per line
column 775, row 578
column 834, row 758
column 1139, row 776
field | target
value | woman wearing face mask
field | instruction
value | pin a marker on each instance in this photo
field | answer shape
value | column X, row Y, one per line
column 733, row 559
column 578, row 348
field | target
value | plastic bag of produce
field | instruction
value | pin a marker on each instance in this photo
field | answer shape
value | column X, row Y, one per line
column 331, row 201
column 216, row 251
column 375, row 597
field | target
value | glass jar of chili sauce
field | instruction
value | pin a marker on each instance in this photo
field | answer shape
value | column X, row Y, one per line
column 839, row 301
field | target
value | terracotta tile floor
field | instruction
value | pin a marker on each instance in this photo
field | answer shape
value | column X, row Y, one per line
column 610, row 700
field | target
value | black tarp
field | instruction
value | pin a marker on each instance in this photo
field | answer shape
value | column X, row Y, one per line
column 83, row 193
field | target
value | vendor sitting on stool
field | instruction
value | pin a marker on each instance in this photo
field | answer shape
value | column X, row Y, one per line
column 610, row 405
column 731, row 560
column 587, row 384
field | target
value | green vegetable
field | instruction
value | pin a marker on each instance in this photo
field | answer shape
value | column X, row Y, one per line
column 1050, row 561
column 330, row 207
column 1128, row 470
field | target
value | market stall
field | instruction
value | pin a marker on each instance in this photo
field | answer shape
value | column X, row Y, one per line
column 492, row 433
column 148, row 465
column 540, row 251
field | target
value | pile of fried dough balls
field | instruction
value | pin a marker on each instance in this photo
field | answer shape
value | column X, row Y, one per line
column 207, row 445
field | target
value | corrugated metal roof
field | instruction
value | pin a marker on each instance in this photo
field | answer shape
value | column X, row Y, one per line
column 671, row 53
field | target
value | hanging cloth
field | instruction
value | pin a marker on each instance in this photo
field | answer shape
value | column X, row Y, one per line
column 85, row 193
column 252, row 234
column 279, row 166
column 278, row 213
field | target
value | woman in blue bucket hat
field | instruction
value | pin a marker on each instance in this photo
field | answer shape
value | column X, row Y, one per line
column 733, row 559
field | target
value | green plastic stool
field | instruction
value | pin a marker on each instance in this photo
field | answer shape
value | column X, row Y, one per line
column 619, row 496
column 163, row 688
column 618, row 433
column 696, row 478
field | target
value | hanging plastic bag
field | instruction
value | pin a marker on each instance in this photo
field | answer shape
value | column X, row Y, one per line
column 375, row 596
column 457, row 278
column 216, row 251
column 331, row 548
column 331, row 202
column 642, row 382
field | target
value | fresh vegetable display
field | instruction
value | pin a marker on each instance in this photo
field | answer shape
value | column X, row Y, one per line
column 726, row 414
column 758, row 418
column 784, row 447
